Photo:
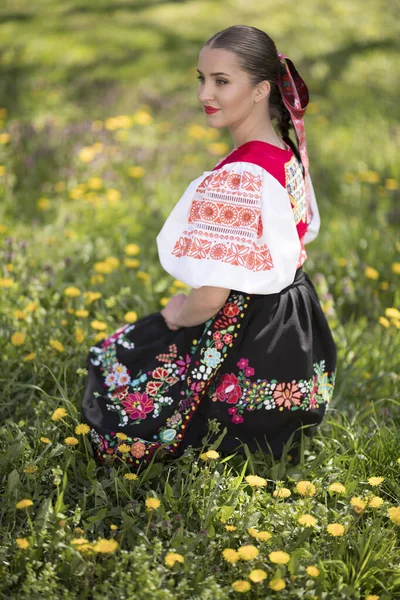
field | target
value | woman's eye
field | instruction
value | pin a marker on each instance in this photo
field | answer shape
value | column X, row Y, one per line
column 221, row 80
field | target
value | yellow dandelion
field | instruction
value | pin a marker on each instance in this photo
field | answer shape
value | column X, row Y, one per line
column 82, row 429
column 25, row 503
column 257, row 575
column 396, row 267
column 72, row 292
column 218, row 148
column 210, row 454
column 392, row 312
column 256, row 481
column 82, row 313
column 375, row 480
column 91, row 296
column 105, row 546
column 95, row 183
column 56, row 345
column 263, row 536
column 312, row 571
column 394, row 514
column 371, row 273
column 391, row 184
column 152, row 503
column 43, row 204
column 132, row 249
column 279, row 557
column 230, row 527
column 6, row 282
column 230, row 555
column 277, row 584
column 18, row 338
column 130, row 317
column 335, row 529
column 131, row 263
column 31, row 469
column 45, row 440
column 20, row 314
column 98, row 325
column 103, row 267
column 113, row 527
column 71, row 441
column 82, row 544
column 143, row 276
column 4, row 138
column 87, row 154
column 136, row 172
column 307, row 520
column 113, row 195
column 358, row 504
column 79, row 335
column 22, row 543
column 130, row 476
column 124, row 448
column 375, row 501
column 58, row 414
column 384, row 321
column 241, row 585
column 142, row 117
column 248, row 552
column 372, row 597
column 337, row 487
column 305, row 488
column 173, row 557
column 282, row 493
column 100, row 336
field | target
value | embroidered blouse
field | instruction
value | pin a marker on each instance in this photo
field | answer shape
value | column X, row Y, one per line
column 242, row 225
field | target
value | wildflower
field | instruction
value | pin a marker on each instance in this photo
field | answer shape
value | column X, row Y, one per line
column 394, row 514
column 22, row 543
column 396, row 268
column 312, row 571
column 257, row 575
column 31, row 469
column 113, row 195
column 82, row 313
column 305, row 488
column 100, row 325
column 230, row 527
column 142, row 275
column 131, row 262
column 358, row 504
column 279, row 557
column 335, row 529
column 241, row 585
column 375, row 480
column 209, row 454
column 173, row 557
column 259, row 535
column 277, row 584
column 124, row 448
column 79, row 335
column 392, row 312
column 82, row 429
column 256, row 481
column 230, row 555
column 282, row 493
column 72, row 292
column 130, row 476
column 375, row 501
column 337, row 487
column 132, row 249
column 45, row 440
column 152, row 503
column 105, row 546
column 100, row 336
column 25, row 503
column 248, row 552
column 58, row 414
column 218, row 148
column 372, row 597
column 18, row 338
column 56, row 345
column 113, row 527
column 130, row 317
column 307, row 520
column 136, row 172
column 384, row 321
column 371, row 273
column 71, row 441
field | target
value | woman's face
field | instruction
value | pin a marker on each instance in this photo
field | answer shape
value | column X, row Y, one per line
column 229, row 90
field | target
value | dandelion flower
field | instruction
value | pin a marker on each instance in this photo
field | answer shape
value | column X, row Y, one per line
column 99, row 325
column 394, row 514
column 82, row 429
column 25, row 503
column 230, row 527
column 375, row 501
column 31, row 469
column 209, row 454
column 22, row 543
column 241, row 585
column 132, row 249
column 279, row 557
column 113, row 527
column 372, row 597
column 130, row 476
column 358, row 504
column 371, row 273
column 257, row 575
column 307, row 520
column 396, row 268
column 152, row 503
column 173, row 557
column 305, row 488
column 45, row 440
column 30, row 356
column 375, row 480
column 259, row 535
column 72, row 292
column 335, row 529
column 18, row 338
column 248, row 552
column 277, row 584
column 312, row 571
column 337, row 487
column 71, row 441
column 105, row 546
column 130, row 317
column 56, row 345
column 282, row 493
column 230, row 555
column 256, row 481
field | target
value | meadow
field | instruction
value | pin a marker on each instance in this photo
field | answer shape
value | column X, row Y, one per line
column 100, row 133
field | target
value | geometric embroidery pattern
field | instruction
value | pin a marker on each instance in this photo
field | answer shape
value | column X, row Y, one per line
column 296, row 189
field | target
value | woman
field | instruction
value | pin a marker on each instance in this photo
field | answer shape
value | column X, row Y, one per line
column 250, row 345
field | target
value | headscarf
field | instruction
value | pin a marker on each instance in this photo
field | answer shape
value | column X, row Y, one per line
column 295, row 97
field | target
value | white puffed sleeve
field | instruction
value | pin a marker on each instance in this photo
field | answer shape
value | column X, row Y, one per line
column 233, row 228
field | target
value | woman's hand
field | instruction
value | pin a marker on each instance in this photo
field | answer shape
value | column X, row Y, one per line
column 170, row 311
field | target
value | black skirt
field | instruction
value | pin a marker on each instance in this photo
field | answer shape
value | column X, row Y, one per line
column 263, row 367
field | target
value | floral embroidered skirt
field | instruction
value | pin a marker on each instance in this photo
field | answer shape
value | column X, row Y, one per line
column 263, row 366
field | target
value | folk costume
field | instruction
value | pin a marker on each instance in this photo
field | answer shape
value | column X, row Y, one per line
column 264, row 365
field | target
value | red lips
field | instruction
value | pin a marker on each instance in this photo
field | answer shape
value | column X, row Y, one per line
column 209, row 110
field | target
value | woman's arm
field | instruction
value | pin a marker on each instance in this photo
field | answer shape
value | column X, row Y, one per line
column 201, row 304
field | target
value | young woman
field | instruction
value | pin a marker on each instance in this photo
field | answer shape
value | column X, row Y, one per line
column 250, row 345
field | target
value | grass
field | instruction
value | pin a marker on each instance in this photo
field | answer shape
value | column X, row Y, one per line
column 100, row 134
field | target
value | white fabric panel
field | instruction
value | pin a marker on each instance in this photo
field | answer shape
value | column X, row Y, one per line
column 314, row 225
column 258, row 193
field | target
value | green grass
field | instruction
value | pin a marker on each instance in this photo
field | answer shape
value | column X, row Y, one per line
column 68, row 70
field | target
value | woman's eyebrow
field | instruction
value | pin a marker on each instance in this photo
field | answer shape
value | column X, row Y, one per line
column 214, row 73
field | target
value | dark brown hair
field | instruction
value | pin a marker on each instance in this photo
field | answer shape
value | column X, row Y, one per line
column 257, row 55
